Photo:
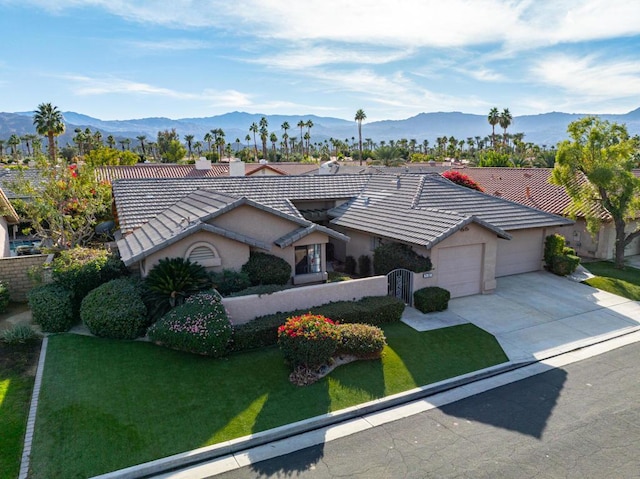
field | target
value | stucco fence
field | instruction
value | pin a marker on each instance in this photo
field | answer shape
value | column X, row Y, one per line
column 14, row 272
column 243, row 309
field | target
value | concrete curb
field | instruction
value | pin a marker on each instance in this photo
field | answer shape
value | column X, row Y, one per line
column 31, row 421
column 230, row 448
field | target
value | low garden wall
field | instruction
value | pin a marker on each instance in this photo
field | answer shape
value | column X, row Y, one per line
column 14, row 272
column 243, row 309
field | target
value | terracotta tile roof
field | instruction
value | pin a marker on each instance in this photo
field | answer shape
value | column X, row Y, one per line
column 164, row 170
column 527, row 186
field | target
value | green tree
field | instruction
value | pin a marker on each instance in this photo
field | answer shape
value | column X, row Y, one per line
column 106, row 156
column 388, row 156
column 189, row 140
column 142, row 139
column 494, row 119
column 254, row 129
column 64, row 204
column 49, row 122
column 175, row 152
column 602, row 153
column 360, row 116
column 264, row 134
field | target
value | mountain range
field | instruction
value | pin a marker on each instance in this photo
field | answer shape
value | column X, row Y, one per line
column 543, row 129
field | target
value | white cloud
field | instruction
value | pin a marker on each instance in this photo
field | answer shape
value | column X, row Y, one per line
column 168, row 45
column 310, row 56
column 591, row 76
column 520, row 24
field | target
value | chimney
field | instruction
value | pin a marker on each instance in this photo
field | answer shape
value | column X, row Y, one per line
column 203, row 164
column 236, row 168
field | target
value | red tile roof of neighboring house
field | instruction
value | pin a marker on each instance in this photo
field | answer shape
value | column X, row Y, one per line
column 156, row 170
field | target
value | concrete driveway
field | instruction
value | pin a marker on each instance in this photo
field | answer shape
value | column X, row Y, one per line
column 534, row 315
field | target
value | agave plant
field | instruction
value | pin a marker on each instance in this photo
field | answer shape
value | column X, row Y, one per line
column 170, row 282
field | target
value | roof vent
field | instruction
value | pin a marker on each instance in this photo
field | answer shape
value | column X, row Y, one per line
column 398, row 182
column 366, row 200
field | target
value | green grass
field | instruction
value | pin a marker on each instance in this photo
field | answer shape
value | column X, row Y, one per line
column 16, row 383
column 623, row 282
column 109, row 404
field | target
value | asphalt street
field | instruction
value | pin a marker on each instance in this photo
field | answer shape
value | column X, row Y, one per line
column 579, row 421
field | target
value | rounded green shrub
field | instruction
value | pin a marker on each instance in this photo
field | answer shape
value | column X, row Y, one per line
column 264, row 268
column 431, row 299
column 51, row 307
column 82, row 269
column 350, row 265
column 564, row 264
column 364, row 265
column 308, row 340
column 115, row 310
column 390, row 256
column 4, row 297
column 361, row 340
column 170, row 282
column 200, row 326
column 229, row 281
column 19, row 334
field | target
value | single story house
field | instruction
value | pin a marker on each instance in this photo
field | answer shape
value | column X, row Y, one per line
column 471, row 237
column 531, row 187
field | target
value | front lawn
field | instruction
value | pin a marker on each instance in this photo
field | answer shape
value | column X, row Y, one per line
column 623, row 282
column 17, row 373
column 109, row 404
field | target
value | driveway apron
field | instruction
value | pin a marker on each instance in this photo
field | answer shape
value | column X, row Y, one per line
column 535, row 314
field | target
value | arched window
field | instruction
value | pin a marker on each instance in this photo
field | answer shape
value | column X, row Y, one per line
column 204, row 254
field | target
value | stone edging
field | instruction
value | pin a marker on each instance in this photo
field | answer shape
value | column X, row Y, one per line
column 31, row 421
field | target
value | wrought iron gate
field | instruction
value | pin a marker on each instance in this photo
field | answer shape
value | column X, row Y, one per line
column 400, row 285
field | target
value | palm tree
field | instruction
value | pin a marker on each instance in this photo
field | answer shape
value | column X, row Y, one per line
column 142, row 139
column 264, row 134
column 360, row 116
column 1, row 148
column 111, row 141
column 494, row 119
column 13, row 142
column 285, row 137
column 309, row 125
column 198, row 147
column 189, row 140
column 301, row 124
column 49, row 122
column 273, row 138
column 505, row 120
column 388, row 156
column 254, row 129
column 208, row 137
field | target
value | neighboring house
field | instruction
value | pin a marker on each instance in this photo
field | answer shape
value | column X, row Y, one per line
column 472, row 238
column 202, row 169
column 8, row 216
column 531, row 187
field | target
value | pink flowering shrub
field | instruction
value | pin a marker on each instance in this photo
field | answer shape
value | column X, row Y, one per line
column 363, row 341
column 199, row 326
column 308, row 340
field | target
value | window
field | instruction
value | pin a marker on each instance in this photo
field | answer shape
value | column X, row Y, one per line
column 375, row 242
column 308, row 259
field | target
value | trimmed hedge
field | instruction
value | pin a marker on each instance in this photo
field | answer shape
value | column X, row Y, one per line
column 4, row 297
column 115, row 310
column 361, row 340
column 431, row 299
column 264, row 268
column 558, row 258
column 374, row 310
column 565, row 264
column 229, row 281
column 51, row 307
column 82, row 269
column 390, row 256
column 200, row 326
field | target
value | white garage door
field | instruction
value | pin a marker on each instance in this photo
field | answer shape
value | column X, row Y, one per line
column 521, row 254
column 459, row 269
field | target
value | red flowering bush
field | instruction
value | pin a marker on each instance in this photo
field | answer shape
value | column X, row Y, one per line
column 308, row 340
column 461, row 179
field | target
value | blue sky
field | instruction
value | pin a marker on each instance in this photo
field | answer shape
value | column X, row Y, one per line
column 119, row 59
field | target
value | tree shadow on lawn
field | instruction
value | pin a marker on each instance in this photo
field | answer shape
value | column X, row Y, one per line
column 361, row 379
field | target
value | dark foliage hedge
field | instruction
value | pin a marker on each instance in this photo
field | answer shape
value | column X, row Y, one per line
column 431, row 299
column 52, row 307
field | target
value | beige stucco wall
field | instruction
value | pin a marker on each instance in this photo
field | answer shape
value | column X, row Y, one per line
column 4, row 237
column 602, row 246
column 242, row 309
column 472, row 234
column 233, row 254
